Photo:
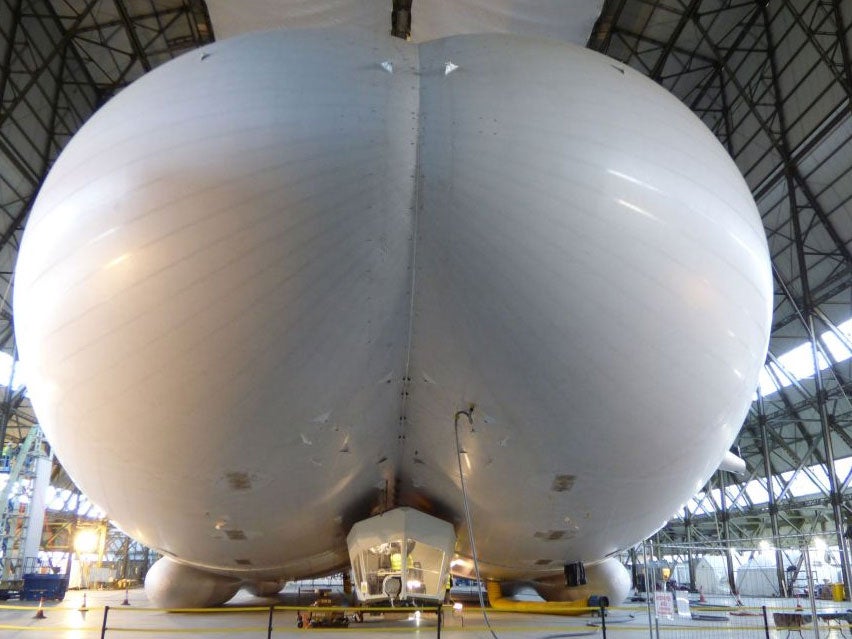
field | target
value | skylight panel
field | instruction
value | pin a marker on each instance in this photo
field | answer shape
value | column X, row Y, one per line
column 798, row 363
column 803, row 485
column 757, row 492
column 843, row 467
column 821, row 475
column 838, row 348
column 7, row 363
column 766, row 383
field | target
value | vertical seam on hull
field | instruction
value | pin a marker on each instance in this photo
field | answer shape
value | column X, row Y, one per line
column 415, row 203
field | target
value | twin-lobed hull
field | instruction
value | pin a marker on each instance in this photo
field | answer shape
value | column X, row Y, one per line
column 259, row 284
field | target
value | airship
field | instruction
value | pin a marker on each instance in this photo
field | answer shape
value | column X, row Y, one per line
column 312, row 300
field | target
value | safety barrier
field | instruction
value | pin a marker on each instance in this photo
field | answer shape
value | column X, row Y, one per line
column 736, row 621
column 327, row 617
column 115, row 621
column 713, row 621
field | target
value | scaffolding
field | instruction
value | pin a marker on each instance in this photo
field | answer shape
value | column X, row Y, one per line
column 25, row 475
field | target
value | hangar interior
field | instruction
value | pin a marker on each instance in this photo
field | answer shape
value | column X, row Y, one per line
column 772, row 80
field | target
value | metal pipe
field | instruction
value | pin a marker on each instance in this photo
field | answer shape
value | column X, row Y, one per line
column 765, row 622
column 104, row 624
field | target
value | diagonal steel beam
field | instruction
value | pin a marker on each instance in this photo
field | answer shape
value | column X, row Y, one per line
column 57, row 49
column 841, row 78
column 785, row 154
column 840, row 26
column 686, row 16
column 6, row 65
column 138, row 50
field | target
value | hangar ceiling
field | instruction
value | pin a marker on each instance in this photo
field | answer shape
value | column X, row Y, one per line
column 771, row 79
column 59, row 61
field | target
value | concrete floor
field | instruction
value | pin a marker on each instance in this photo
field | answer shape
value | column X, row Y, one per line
column 631, row 621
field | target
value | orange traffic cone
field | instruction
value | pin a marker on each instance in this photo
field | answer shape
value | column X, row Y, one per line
column 701, row 597
column 84, row 607
column 126, row 601
column 40, row 612
column 798, row 604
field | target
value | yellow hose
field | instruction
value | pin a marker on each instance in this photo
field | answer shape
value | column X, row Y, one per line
column 498, row 602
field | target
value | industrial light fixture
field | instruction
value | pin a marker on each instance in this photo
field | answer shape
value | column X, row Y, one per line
column 86, row 541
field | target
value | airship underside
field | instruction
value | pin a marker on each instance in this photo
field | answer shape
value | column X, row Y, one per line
column 260, row 286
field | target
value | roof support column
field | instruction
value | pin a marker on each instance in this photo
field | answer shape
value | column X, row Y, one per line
column 726, row 532
column 770, row 490
column 808, row 318
column 690, row 561
column 835, row 494
column 6, row 409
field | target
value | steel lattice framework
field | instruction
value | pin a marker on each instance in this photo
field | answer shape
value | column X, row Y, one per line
column 773, row 80
column 59, row 61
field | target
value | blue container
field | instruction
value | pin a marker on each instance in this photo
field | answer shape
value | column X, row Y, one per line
column 51, row 587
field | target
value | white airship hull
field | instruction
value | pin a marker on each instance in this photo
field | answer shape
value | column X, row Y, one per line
column 258, row 285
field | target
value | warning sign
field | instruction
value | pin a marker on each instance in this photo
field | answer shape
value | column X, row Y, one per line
column 664, row 605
